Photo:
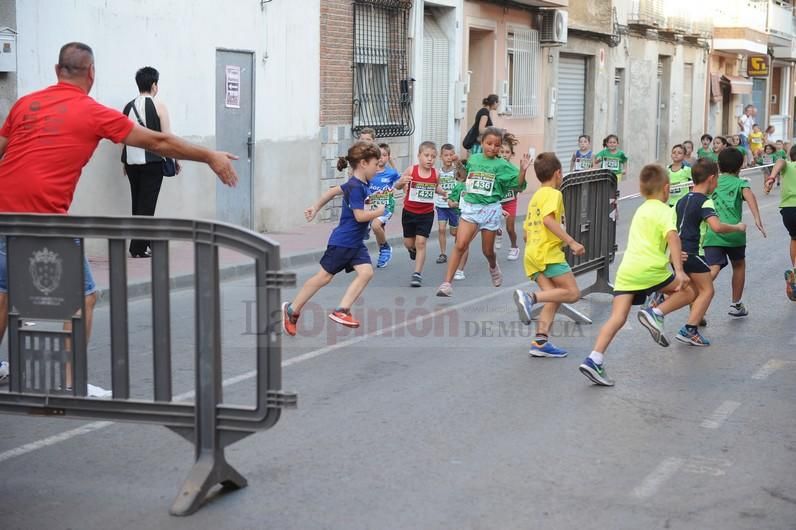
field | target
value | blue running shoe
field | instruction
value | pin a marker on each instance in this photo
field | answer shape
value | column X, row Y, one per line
column 654, row 324
column 524, row 305
column 385, row 255
column 546, row 350
column 595, row 373
column 694, row 339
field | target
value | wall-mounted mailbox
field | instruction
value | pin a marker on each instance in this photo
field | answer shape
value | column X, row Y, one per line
column 8, row 50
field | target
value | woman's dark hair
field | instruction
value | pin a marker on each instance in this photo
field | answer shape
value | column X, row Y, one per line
column 358, row 152
column 490, row 100
column 145, row 78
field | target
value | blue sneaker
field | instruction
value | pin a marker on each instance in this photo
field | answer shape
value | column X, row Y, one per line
column 385, row 255
column 595, row 373
column 654, row 324
column 546, row 350
column 655, row 299
column 694, row 339
column 524, row 305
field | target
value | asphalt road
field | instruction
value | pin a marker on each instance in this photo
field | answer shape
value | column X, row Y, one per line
column 443, row 421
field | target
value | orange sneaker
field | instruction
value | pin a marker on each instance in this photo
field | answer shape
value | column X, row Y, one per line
column 289, row 320
column 344, row 317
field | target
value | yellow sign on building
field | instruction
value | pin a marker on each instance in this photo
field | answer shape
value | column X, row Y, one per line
column 757, row 66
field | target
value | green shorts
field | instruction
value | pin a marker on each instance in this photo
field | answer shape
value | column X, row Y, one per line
column 553, row 270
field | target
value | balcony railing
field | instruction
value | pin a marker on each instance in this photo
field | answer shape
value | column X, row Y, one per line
column 780, row 19
column 751, row 14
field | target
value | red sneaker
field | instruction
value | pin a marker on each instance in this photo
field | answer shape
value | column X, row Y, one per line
column 344, row 318
column 289, row 320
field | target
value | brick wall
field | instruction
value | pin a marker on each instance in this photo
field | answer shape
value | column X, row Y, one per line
column 337, row 48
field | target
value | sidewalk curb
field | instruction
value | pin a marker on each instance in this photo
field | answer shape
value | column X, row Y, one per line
column 143, row 289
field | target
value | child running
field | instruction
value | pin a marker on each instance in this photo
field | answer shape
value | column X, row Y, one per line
column 382, row 193
column 719, row 144
column 346, row 249
column 447, row 216
column 787, row 208
column 756, row 140
column 545, row 262
column 583, row 158
column 418, row 215
column 454, row 198
column 509, row 200
column 611, row 157
column 679, row 173
column 695, row 212
column 728, row 199
column 707, row 149
column 488, row 179
column 652, row 243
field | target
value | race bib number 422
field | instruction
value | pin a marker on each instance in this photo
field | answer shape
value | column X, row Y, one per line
column 479, row 183
column 422, row 192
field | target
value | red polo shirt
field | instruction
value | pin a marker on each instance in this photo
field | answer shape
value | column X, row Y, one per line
column 51, row 136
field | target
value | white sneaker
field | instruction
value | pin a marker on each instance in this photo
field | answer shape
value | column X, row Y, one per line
column 514, row 254
column 98, row 392
column 4, row 372
column 459, row 275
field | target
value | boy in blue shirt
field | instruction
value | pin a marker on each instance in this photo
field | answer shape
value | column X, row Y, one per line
column 382, row 194
column 346, row 249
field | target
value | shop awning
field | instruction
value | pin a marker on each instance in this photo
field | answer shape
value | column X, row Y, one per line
column 739, row 85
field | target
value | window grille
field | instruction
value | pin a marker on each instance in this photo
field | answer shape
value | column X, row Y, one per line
column 524, row 72
column 382, row 98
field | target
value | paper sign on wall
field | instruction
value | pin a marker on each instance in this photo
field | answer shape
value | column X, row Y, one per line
column 232, row 78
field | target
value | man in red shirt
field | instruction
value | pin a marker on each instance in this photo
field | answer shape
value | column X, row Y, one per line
column 50, row 135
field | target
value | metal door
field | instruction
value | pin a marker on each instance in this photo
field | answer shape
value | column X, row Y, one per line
column 571, row 105
column 436, row 63
column 235, row 132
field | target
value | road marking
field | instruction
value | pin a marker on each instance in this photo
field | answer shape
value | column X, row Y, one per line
column 97, row 425
column 665, row 470
column 705, row 465
column 769, row 368
column 720, row 415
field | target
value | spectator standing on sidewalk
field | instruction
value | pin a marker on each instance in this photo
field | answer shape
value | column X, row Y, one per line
column 50, row 135
column 144, row 169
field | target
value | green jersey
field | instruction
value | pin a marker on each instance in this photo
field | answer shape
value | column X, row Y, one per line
column 678, row 177
column 612, row 161
column 489, row 179
column 788, row 175
column 782, row 154
column 704, row 153
column 728, row 200
column 447, row 180
column 646, row 260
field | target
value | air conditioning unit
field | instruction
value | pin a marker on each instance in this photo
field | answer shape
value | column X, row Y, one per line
column 554, row 27
column 503, row 105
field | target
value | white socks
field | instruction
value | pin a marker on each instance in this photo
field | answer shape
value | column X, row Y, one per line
column 597, row 357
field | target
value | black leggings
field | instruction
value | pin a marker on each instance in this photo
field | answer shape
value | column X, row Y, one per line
column 145, row 181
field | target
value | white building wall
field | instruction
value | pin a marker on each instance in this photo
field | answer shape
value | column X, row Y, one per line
column 180, row 38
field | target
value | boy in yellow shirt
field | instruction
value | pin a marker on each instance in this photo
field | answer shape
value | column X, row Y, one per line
column 545, row 262
column 652, row 243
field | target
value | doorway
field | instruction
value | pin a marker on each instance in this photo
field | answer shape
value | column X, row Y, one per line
column 481, row 66
column 235, row 132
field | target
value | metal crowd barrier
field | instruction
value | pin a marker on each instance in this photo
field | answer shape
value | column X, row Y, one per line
column 45, row 269
column 590, row 201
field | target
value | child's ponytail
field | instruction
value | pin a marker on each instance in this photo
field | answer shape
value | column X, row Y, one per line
column 342, row 163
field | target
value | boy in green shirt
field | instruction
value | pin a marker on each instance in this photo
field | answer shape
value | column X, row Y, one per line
column 706, row 149
column 787, row 205
column 728, row 199
column 679, row 174
column 652, row 244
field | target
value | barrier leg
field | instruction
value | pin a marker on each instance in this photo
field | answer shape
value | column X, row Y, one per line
column 601, row 284
column 211, row 468
column 566, row 310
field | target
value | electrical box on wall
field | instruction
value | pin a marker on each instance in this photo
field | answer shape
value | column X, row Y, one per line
column 460, row 101
column 8, row 50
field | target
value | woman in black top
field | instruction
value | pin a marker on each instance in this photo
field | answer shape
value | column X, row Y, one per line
column 483, row 119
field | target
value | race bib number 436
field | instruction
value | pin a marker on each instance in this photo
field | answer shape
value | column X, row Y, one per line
column 422, row 192
column 480, row 183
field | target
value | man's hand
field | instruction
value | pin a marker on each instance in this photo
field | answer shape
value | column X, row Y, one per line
column 681, row 281
column 221, row 164
column 310, row 213
column 576, row 248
